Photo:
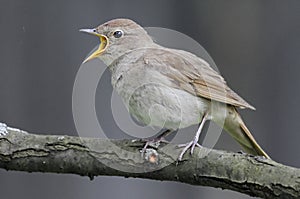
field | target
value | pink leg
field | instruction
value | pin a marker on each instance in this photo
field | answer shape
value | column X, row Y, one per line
column 194, row 142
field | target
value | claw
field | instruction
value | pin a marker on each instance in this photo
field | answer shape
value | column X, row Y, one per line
column 156, row 141
column 191, row 144
column 193, row 147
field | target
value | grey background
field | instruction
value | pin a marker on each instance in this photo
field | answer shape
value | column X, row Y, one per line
column 255, row 45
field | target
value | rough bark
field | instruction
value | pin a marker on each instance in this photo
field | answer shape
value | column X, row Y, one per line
column 91, row 157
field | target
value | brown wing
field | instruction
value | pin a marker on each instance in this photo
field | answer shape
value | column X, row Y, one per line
column 191, row 73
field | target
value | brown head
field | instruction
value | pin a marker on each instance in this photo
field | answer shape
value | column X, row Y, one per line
column 117, row 37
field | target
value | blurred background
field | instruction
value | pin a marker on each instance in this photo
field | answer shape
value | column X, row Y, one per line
column 255, row 45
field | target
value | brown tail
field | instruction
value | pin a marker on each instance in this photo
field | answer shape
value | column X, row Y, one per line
column 235, row 126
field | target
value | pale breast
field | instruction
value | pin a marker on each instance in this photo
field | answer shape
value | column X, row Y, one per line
column 148, row 96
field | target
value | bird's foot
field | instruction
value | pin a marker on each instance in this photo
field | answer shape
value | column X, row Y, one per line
column 155, row 142
column 192, row 144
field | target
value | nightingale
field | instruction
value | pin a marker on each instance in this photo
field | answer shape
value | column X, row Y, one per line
column 184, row 86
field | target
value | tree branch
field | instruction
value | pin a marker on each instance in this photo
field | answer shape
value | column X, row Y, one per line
column 91, row 157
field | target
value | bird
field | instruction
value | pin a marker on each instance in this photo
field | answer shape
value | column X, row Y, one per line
column 169, row 88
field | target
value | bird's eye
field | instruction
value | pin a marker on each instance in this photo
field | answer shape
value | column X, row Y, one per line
column 118, row 33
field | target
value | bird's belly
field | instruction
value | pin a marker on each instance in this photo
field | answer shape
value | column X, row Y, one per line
column 159, row 105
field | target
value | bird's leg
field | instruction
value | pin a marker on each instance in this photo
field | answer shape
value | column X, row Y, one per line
column 157, row 140
column 194, row 142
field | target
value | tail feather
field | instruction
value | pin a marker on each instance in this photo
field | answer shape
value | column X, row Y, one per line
column 235, row 126
column 255, row 149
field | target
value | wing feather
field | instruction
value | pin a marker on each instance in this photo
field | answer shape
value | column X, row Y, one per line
column 188, row 72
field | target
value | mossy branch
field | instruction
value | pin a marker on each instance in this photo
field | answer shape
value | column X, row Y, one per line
column 91, row 157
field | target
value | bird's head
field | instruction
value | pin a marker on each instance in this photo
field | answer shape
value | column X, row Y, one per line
column 117, row 37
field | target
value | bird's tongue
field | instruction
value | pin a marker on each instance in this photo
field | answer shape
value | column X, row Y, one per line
column 102, row 47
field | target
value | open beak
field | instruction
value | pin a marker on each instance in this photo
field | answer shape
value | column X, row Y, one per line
column 102, row 47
